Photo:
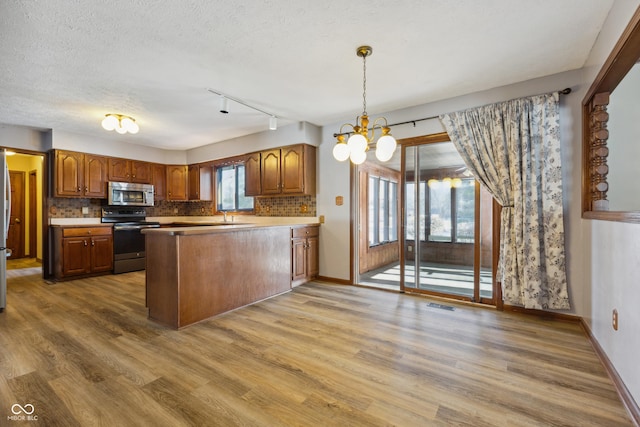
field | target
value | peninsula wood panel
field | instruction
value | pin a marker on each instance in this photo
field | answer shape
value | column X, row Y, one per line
column 194, row 277
column 84, row 353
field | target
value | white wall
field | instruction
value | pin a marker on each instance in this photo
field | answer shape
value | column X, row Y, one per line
column 611, row 251
column 25, row 138
column 295, row 133
column 106, row 147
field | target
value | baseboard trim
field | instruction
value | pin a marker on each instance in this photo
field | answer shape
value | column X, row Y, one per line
column 542, row 313
column 334, row 280
column 627, row 399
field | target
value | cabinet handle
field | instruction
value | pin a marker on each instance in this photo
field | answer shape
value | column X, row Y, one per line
column 86, row 189
column 85, row 242
column 93, row 243
column 78, row 188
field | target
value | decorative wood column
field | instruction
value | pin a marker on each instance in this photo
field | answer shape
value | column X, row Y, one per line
column 598, row 151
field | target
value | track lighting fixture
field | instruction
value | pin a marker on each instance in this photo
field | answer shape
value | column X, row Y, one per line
column 273, row 119
column 224, row 105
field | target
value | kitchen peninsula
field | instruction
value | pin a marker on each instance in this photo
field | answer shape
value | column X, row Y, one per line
column 197, row 272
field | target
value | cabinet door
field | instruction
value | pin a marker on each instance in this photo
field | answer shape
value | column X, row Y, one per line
column 69, row 174
column 140, row 172
column 194, row 182
column 159, row 181
column 312, row 257
column 177, row 182
column 299, row 260
column 252, row 185
column 119, row 170
column 95, row 176
column 270, row 164
column 292, row 163
column 101, row 253
column 75, row 255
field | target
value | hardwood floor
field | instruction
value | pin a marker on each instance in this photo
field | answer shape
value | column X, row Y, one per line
column 84, row 353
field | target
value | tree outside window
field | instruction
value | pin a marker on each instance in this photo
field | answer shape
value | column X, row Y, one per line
column 230, row 195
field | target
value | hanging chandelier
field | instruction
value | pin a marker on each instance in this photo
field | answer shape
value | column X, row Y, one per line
column 361, row 139
column 120, row 123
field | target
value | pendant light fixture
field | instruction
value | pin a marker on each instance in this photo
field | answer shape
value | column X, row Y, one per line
column 361, row 139
column 120, row 123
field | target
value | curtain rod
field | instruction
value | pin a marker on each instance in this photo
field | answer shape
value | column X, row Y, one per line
column 564, row 91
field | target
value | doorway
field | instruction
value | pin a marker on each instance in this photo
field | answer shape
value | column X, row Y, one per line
column 425, row 225
column 25, row 237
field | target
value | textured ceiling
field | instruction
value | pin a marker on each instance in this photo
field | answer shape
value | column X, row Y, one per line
column 66, row 63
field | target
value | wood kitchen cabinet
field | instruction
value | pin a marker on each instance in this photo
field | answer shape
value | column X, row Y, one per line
column 159, row 181
column 80, row 175
column 252, row 185
column 288, row 170
column 177, row 182
column 82, row 251
column 304, row 254
column 125, row 170
column 200, row 182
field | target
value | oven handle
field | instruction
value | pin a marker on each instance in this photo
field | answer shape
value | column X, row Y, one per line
column 132, row 227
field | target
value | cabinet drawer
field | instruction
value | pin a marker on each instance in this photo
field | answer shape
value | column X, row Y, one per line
column 86, row 231
column 305, row 232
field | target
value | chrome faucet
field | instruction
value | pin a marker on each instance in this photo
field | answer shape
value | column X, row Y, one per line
column 225, row 215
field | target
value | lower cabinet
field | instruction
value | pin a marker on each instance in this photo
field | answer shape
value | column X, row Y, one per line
column 304, row 254
column 82, row 251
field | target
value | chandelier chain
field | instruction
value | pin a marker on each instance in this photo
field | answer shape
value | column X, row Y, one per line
column 364, row 85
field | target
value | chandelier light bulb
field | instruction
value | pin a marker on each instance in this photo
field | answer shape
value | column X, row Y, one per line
column 121, row 124
column 447, row 182
column 357, row 143
column 456, row 182
column 358, row 157
column 385, row 147
column 341, row 152
column 432, row 182
column 110, row 122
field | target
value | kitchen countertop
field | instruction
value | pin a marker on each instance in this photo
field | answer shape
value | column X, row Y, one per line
column 186, row 228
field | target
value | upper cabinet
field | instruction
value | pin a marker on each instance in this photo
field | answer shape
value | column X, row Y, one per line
column 252, row 185
column 177, row 183
column 200, row 182
column 287, row 170
column 80, row 175
column 124, row 170
column 159, row 181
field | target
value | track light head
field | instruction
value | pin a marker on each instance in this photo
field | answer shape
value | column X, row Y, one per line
column 224, row 105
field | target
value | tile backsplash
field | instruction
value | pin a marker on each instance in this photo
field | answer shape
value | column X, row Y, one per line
column 62, row 207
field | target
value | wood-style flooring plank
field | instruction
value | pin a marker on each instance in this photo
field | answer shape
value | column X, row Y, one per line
column 85, row 353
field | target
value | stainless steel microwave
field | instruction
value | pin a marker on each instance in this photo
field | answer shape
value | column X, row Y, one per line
column 129, row 194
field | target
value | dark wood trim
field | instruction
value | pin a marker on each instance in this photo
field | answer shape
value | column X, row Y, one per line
column 419, row 140
column 334, row 280
column 626, row 397
column 594, row 118
column 552, row 315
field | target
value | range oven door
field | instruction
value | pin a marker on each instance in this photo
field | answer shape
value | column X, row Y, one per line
column 129, row 247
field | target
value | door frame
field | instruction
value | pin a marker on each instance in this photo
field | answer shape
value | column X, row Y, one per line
column 47, row 269
column 496, row 299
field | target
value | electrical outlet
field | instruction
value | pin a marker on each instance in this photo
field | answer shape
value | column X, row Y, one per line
column 85, row 210
column 321, row 219
column 614, row 319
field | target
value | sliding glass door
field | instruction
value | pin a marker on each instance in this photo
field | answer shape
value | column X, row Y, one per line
column 447, row 244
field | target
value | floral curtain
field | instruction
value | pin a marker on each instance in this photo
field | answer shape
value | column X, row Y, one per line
column 513, row 149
